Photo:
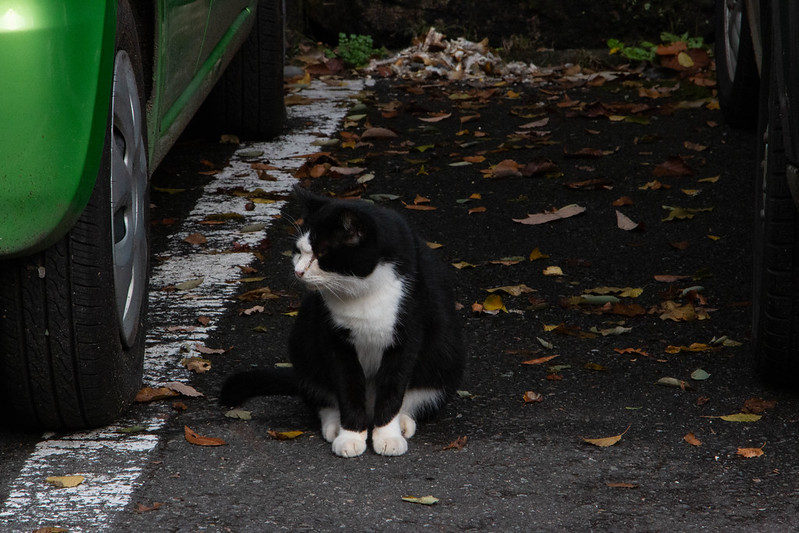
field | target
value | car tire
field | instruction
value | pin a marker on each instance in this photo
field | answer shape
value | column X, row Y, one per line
column 248, row 99
column 776, row 247
column 736, row 68
column 72, row 329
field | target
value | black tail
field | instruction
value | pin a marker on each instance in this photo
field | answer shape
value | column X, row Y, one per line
column 266, row 382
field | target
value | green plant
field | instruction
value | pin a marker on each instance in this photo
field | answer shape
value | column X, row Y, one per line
column 646, row 51
column 355, row 50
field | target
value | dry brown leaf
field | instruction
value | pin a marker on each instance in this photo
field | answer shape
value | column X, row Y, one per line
column 749, row 453
column 284, row 435
column 540, row 360
column 607, row 441
column 196, row 238
column 378, row 133
column 691, row 439
column 757, row 405
column 532, row 397
column 622, row 485
column 198, row 440
column 150, row 394
column 457, row 444
column 549, row 216
column 674, row 166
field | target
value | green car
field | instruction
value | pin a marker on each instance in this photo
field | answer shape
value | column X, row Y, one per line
column 93, row 93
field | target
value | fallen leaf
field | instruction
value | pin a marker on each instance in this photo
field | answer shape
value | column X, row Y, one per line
column 506, row 168
column 513, row 290
column 424, row 500
column 553, row 271
column 622, row 485
column 606, row 441
column 741, row 417
column 198, row 440
column 691, row 439
column 673, row 382
column 196, row 238
column 637, row 351
column 149, row 394
column 284, row 435
column 463, row 264
column 477, row 210
column 674, row 166
column 532, row 397
column 699, row 375
column 623, row 200
column 436, row 117
column 624, row 222
column 378, row 133
column 141, row 508
column 208, row 351
column 196, row 364
column 457, row 444
column 537, row 254
column 190, row 284
column 183, row 389
column 65, row 482
column 757, row 405
column 541, row 360
column 494, row 303
column 549, row 216
column 749, row 453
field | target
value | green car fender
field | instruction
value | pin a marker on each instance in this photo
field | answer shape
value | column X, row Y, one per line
column 56, row 65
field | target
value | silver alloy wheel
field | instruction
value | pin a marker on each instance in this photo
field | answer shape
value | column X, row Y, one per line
column 733, row 22
column 128, row 197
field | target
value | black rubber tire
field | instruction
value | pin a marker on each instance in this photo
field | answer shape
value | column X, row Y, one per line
column 248, row 99
column 738, row 91
column 63, row 364
column 776, row 249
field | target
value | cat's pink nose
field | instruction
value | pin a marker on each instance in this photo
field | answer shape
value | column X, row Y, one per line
column 299, row 273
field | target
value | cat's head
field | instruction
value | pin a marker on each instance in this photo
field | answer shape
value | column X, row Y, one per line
column 338, row 244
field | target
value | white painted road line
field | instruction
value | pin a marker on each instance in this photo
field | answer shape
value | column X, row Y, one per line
column 111, row 462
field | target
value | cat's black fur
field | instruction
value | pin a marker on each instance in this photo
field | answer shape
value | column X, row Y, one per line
column 355, row 239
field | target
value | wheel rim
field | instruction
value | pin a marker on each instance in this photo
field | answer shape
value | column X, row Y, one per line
column 128, row 197
column 733, row 19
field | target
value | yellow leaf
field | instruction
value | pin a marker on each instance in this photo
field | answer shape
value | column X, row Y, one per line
column 685, row 60
column 536, row 254
column 65, row 482
column 741, row 417
column 712, row 179
column 424, row 500
column 434, row 245
column 284, row 435
column 553, row 271
column 463, row 264
column 494, row 303
column 606, row 441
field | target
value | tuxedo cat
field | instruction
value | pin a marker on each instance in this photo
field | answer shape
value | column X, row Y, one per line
column 377, row 343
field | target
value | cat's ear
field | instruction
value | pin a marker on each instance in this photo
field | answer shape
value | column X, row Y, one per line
column 354, row 229
column 310, row 202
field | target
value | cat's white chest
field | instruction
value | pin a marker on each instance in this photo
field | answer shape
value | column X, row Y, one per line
column 371, row 315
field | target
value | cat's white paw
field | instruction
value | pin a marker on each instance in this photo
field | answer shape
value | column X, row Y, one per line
column 388, row 439
column 331, row 423
column 349, row 443
column 407, row 425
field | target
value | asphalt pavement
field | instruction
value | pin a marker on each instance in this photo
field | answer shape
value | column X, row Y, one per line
column 587, row 435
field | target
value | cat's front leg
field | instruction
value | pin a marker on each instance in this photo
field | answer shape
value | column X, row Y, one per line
column 388, row 439
column 349, row 443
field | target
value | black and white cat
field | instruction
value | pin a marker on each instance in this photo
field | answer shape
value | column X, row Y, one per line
column 377, row 343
